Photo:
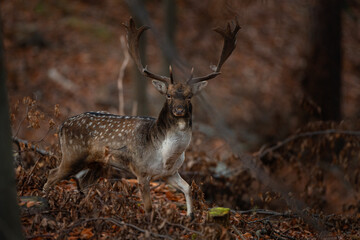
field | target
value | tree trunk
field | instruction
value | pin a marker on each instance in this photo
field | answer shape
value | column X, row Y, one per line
column 10, row 226
column 322, row 81
column 140, row 82
column 170, row 30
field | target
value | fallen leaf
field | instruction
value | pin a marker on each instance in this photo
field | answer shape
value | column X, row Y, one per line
column 86, row 233
column 30, row 204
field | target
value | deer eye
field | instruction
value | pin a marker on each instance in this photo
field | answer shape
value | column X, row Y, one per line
column 168, row 96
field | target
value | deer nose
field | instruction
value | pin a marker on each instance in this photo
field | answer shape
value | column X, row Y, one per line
column 179, row 111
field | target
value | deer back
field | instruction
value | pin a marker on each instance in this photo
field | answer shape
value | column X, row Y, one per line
column 99, row 133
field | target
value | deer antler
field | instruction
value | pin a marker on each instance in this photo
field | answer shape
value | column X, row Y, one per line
column 133, row 36
column 229, row 36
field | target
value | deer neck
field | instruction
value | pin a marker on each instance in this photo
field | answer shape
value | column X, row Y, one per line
column 167, row 122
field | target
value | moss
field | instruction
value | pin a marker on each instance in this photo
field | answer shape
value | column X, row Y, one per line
column 219, row 211
column 219, row 215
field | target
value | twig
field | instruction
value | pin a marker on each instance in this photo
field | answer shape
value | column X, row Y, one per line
column 29, row 176
column 121, row 75
column 114, row 221
column 60, row 79
column 28, row 214
column 34, row 148
column 238, row 232
column 42, row 139
column 184, row 227
column 273, row 232
column 266, row 212
column 21, row 122
column 261, row 220
column 263, row 153
column 178, row 225
column 41, row 236
column 282, row 236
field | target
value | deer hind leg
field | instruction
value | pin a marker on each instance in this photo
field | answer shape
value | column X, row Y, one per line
column 67, row 168
column 179, row 183
column 90, row 175
column 144, row 186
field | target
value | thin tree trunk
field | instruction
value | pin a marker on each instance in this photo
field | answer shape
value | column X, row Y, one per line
column 10, row 226
column 322, row 81
column 140, row 82
column 170, row 28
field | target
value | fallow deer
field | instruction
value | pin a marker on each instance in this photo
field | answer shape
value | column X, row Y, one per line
column 150, row 148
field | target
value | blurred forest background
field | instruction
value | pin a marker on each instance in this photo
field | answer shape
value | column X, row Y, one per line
column 278, row 129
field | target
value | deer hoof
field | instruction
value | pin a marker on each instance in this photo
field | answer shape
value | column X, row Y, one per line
column 191, row 216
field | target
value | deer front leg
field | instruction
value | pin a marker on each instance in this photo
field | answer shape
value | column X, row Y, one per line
column 179, row 183
column 144, row 186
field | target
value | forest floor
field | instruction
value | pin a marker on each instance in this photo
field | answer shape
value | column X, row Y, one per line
column 112, row 208
column 279, row 180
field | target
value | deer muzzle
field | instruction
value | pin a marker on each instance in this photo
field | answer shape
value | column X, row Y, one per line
column 179, row 111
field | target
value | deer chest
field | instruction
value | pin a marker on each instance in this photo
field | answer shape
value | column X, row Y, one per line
column 174, row 144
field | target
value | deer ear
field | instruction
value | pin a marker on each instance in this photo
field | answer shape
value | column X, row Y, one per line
column 197, row 87
column 160, row 86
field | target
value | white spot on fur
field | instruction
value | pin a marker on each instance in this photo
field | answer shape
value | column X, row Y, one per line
column 181, row 125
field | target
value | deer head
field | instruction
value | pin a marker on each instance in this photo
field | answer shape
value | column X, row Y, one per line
column 179, row 94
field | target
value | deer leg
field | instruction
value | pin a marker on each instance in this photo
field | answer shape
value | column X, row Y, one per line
column 65, row 170
column 56, row 175
column 179, row 183
column 89, row 176
column 51, row 179
column 144, row 185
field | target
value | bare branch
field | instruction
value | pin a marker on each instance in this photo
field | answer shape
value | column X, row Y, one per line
column 266, row 212
column 34, row 148
column 22, row 120
column 60, row 79
column 121, row 75
column 238, row 232
column 263, row 153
